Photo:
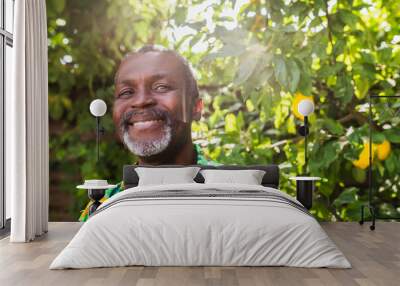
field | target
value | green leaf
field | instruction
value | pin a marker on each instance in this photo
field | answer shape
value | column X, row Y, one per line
column 329, row 70
column 344, row 88
column 348, row 196
column 338, row 47
column 393, row 135
column 280, row 70
column 265, row 75
column 230, row 123
column 54, row 8
column 197, row 25
column 348, row 18
column 232, row 37
column 362, row 86
column 390, row 163
column 180, row 15
column 359, row 175
column 294, row 78
column 378, row 138
column 367, row 58
column 333, row 126
column 319, row 5
column 326, row 189
column 351, row 211
column 240, row 121
column 298, row 8
column 195, row 39
column 226, row 51
column 385, row 54
column 59, row 5
column 247, row 64
column 315, row 22
column 322, row 156
column 305, row 84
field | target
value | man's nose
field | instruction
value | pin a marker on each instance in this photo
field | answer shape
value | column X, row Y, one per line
column 142, row 99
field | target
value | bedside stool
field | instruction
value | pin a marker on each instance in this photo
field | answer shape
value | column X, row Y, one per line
column 305, row 187
column 96, row 190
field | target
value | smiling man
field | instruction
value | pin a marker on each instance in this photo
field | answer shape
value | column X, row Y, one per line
column 155, row 101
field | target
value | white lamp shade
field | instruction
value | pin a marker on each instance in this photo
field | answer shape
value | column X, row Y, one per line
column 306, row 107
column 98, row 107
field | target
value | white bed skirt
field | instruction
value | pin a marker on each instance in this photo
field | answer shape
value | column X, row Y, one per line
column 200, row 232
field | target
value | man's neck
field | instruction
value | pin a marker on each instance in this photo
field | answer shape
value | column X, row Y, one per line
column 186, row 155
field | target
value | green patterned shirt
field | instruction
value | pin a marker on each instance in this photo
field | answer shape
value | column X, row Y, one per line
column 201, row 160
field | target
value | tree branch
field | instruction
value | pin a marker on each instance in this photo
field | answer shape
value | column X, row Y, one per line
column 329, row 28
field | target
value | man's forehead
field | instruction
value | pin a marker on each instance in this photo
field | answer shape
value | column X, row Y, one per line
column 149, row 64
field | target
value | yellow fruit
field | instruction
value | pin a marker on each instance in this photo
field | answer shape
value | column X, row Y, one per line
column 363, row 158
column 296, row 100
column 383, row 150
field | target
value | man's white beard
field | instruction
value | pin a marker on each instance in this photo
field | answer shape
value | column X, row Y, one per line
column 148, row 148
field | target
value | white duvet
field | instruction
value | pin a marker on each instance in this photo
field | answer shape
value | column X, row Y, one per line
column 206, row 230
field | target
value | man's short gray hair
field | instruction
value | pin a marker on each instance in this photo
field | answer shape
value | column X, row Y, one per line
column 191, row 88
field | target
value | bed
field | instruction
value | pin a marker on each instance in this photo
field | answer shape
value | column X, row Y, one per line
column 201, row 224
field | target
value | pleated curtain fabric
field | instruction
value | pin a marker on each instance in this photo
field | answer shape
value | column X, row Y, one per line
column 27, row 147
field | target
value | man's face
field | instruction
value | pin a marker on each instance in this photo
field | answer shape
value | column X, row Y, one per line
column 148, row 106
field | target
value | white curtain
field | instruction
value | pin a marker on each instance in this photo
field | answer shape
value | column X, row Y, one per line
column 27, row 155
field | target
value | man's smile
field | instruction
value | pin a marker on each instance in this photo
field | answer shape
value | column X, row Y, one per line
column 146, row 124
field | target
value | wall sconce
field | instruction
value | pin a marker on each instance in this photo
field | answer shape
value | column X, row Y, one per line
column 305, row 108
column 98, row 108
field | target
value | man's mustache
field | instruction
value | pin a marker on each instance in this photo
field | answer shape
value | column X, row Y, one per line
column 148, row 114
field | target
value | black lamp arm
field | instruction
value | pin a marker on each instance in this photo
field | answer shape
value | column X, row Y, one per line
column 305, row 145
column 99, row 131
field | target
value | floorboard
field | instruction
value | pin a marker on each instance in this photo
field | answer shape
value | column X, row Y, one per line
column 374, row 255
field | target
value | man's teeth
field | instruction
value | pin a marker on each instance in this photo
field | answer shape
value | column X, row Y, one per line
column 145, row 123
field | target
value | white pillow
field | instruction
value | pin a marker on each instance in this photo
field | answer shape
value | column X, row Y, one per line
column 162, row 176
column 249, row 177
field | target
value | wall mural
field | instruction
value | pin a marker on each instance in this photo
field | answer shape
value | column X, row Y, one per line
column 252, row 62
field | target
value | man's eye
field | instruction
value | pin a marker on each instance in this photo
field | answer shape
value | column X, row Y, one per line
column 162, row 88
column 125, row 93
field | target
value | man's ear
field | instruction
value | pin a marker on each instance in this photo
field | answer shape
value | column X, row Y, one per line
column 197, row 109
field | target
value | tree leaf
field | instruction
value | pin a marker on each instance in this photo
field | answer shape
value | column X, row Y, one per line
column 393, row 135
column 378, row 138
column 385, row 54
column 333, row 126
column 348, row 18
column 226, row 51
column 344, row 88
column 230, row 123
column 338, row 47
column 247, row 63
column 294, row 72
column 195, row 39
column 280, row 70
column 323, row 156
column 348, row 196
column 390, row 163
column 59, row 5
column 233, row 37
column 180, row 15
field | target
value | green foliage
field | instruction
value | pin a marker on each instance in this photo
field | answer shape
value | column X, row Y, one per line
column 249, row 62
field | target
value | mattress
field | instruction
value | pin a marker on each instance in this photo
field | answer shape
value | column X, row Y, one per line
column 201, row 225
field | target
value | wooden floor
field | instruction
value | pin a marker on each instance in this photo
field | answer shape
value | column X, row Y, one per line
column 374, row 255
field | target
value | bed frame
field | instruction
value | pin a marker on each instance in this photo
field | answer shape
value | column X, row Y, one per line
column 270, row 179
